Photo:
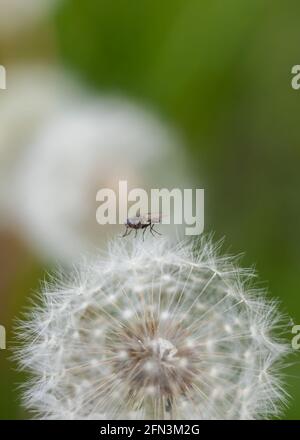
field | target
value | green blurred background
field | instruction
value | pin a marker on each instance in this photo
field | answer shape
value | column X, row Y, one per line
column 220, row 71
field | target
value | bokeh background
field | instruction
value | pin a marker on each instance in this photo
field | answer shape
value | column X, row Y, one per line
column 215, row 77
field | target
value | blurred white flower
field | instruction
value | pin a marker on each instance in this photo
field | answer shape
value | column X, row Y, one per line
column 19, row 15
column 86, row 148
column 154, row 331
column 35, row 93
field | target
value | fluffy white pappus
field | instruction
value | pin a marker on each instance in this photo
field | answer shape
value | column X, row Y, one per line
column 154, row 331
column 88, row 147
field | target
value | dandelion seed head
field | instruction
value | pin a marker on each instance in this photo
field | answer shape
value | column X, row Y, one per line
column 128, row 353
column 37, row 92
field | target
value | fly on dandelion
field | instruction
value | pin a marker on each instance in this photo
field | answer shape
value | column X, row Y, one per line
column 142, row 222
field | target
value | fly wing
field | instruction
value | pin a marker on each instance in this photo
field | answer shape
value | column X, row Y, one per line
column 135, row 220
column 149, row 217
column 145, row 219
column 154, row 217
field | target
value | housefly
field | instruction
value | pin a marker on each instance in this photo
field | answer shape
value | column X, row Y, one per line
column 142, row 222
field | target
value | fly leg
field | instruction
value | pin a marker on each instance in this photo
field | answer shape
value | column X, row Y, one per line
column 127, row 232
column 153, row 230
column 144, row 234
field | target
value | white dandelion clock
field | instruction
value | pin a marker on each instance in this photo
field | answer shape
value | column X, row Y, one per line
column 89, row 147
column 35, row 94
column 154, row 331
